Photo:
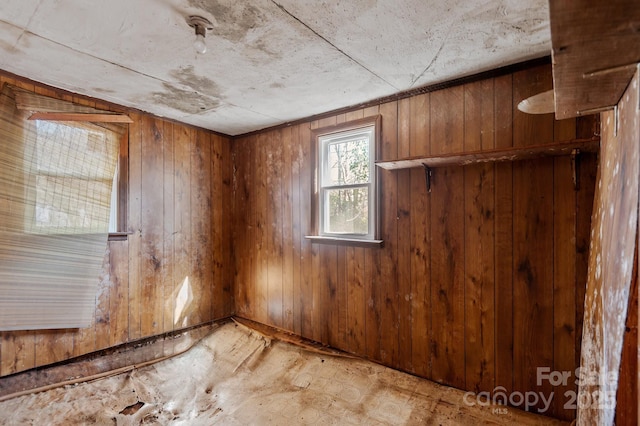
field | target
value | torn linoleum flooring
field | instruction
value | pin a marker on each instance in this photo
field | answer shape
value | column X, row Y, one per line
column 237, row 376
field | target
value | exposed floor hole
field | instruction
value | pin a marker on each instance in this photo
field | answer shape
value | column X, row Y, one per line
column 132, row 409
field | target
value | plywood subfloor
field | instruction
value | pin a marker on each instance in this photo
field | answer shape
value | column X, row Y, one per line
column 238, row 376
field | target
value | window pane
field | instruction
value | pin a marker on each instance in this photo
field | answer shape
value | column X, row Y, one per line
column 73, row 150
column 61, row 208
column 347, row 211
column 348, row 162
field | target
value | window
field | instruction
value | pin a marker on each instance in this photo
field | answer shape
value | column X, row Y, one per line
column 72, row 177
column 58, row 163
column 345, row 193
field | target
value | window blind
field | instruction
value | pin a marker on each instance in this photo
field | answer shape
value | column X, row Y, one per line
column 55, row 194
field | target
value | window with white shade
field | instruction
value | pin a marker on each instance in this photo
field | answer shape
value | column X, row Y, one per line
column 57, row 166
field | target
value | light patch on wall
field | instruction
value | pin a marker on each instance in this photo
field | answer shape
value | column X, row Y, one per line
column 183, row 300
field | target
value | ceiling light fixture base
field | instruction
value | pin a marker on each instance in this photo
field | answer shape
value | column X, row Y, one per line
column 199, row 23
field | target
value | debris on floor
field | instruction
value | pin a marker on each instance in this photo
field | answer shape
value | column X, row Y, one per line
column 238, row 376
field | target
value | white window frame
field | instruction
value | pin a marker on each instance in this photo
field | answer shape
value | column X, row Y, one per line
column 322, row 139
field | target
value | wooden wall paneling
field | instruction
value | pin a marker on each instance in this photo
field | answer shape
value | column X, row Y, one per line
column 533, row 241
column 274, row 224
column 340, row 335
column 118, row 301
column 356, row 302
column 403, row 221
column 287, row 240
column 328, row 295
column 387, row 256
column 564, row 269
column 97, row 337
column 135, row 226
column 296, row 200
column 18, row 351
column 306, row 169
column 447, row 236
column 325, row 276
column 201, row 226
column 479, row 262
column 184, row 295
column 152, row 249
column 503, row 250
column 313, row 297
column 239, row 231
column 243, row 229
column 168, row 279
column 261, row 277
column 223, row 231
column 221, row 236
column 215, row 213
column 420, row 244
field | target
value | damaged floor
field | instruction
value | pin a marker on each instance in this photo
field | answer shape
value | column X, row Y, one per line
column 238, row 376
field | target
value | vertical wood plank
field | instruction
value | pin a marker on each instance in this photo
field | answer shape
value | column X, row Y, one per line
column 118, row 302
column 403, row 211
column 18, row 351
column 273, row 230
column 479, row 189
column 168, row 229
column 306, row 192
column 533, row 241
column 387, row 257
column 447, row 233
column 420, row 240
column 503, row 250
column 201, row 270
column 227, row 221
column 287, row 240
column 325, row 278
column 152, row 227
column 216, row 218
column 297, row 200
column 183, row 292
column 260, row 267
column 99, row 336
column 564, row 269
column 244, row 253
column 135, row 225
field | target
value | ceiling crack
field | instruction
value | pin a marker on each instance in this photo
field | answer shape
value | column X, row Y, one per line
column 433, row 60
column 332, row 45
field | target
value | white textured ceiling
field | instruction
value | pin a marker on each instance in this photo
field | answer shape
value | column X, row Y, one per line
column 268, row 61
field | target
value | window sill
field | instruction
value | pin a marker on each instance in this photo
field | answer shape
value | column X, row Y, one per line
column 344, row 241
column 119, row 236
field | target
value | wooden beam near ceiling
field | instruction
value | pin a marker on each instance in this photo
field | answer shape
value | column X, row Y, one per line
column 70, row 116
column 595, row 49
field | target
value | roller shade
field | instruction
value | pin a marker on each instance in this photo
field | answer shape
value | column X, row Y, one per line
column 55, row 195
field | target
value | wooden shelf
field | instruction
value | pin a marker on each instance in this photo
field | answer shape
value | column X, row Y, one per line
column 494, row 155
